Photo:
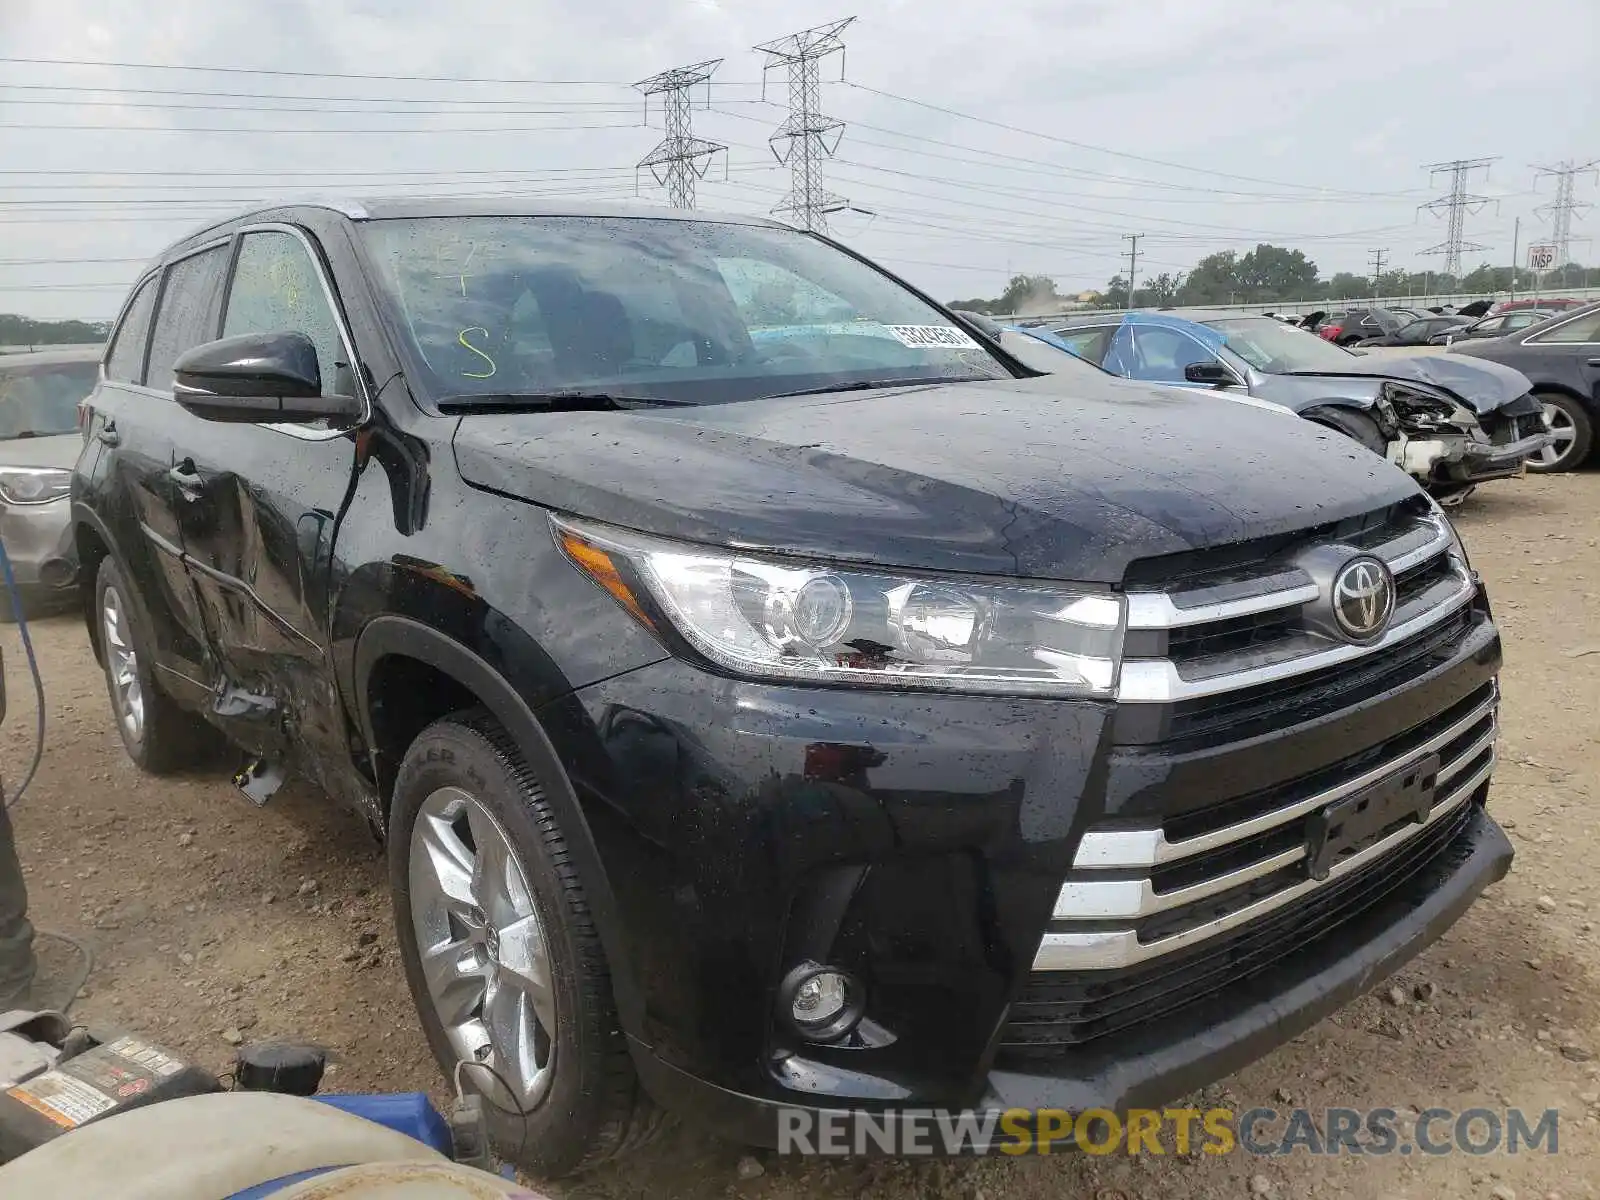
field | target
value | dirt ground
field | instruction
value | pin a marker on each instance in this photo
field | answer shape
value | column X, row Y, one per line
column 211, row 921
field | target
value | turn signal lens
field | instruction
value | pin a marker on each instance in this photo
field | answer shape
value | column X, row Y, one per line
column 597, row 565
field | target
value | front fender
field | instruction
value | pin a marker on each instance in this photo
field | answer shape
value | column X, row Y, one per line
column 392, row 634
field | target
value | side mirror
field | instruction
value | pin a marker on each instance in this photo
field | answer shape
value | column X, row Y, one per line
column 257, row 378
column 1213, row 374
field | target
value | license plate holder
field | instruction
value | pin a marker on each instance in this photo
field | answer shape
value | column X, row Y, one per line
column 1346, row 825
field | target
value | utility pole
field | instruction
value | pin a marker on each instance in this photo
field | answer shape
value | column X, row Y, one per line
column 1377, row 269
column 1516, row 248
column 681, row 158
column 1133, row 263
column 808, row 135
column 1559, row 211
column 1456, row 205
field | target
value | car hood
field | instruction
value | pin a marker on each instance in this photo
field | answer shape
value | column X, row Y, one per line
column 1482, row 386
column 1012, row 477
column 56, row 450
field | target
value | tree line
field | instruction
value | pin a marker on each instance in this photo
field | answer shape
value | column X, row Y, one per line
column 1271, row 275
column 25, row 332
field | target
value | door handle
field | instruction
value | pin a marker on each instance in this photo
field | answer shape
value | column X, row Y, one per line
column 189, row 482
column 1594, row 362
column 107, row 433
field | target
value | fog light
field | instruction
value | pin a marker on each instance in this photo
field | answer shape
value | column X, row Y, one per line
column 820, row 1003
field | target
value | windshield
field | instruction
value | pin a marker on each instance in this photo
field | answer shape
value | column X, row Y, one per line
column 1279, row 349
column 43, row 400
column 687, row 311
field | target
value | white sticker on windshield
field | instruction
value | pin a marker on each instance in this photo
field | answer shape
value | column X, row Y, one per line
column 932, row 337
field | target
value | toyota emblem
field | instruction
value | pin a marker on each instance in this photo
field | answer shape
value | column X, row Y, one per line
column 1363, row 598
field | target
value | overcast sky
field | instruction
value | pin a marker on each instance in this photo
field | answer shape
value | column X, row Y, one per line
column 1201, row 124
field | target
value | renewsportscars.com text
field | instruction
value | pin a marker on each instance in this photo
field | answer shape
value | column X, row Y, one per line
column 1179, row 1131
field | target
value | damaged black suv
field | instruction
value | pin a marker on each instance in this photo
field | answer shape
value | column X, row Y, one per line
column 769, row 691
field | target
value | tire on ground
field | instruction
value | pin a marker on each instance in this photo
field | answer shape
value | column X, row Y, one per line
column 595, row 1108
column 172, row 740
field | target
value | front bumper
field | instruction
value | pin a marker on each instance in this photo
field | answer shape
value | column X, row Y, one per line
column 1207, row 1043
column 921, row 843
column 1457, row 460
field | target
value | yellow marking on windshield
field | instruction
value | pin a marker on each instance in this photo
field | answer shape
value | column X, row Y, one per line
column 462, row 338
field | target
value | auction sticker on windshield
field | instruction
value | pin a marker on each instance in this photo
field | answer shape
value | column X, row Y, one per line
column 934, row 337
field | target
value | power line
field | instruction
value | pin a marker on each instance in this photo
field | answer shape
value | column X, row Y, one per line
column 1457, row 203
column 1560, row 210
column 30, row 126
column 282, row 74
column 806, row 132
column 1159, row 162
column 680, row 158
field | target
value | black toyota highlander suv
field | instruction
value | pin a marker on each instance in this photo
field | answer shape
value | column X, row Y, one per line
column 770, row 692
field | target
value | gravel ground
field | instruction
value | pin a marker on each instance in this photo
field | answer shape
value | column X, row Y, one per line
column 212, row 922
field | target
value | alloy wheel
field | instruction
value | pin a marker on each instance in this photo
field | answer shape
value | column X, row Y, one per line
column 1561, row 425
column 483, row 948
column 122, row 665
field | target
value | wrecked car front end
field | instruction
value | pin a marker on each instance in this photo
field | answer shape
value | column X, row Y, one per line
column 1447, row 447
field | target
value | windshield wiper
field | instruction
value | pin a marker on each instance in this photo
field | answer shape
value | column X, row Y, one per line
column 561, row 400
column 864, row 385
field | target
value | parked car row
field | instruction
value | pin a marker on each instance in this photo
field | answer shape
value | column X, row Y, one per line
column 1450, row 425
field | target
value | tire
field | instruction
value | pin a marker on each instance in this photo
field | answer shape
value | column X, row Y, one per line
column 160, row 737
column 1567, row 416
column 463, row 784
column 1354, row 425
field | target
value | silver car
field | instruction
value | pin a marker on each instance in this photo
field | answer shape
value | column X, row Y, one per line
column 39, row 444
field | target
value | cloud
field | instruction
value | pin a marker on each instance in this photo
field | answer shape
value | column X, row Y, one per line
column 1243, row 96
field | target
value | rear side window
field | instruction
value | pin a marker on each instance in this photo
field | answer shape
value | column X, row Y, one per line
column 1091, row 342
column 126, row 361
column 1582, row 329
column 187, row 315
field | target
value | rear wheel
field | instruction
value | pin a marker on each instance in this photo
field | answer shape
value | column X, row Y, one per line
column 1574, row 431
column 160, row 737
column 503, row 961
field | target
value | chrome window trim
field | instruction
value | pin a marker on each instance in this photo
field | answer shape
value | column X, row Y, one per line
column 1118, row 949
column 1125, row 849
column 1539, row 335
column 345, row 338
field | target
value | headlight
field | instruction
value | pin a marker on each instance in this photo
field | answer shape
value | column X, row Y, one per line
column 1457, row 547
column 34, row 485
column 819, row 623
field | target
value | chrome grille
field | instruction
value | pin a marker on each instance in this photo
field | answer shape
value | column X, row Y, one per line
column 1251, row 628
column 1136, row 894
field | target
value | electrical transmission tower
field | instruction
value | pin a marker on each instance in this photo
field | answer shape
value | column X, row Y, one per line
column 1559, row 211
column 1457, row 205
column 808, row 135
column 1377, row 268
column 681, row 158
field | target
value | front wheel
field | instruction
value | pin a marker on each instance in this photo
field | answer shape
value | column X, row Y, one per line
column 504, row 964
column 1574, row 431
